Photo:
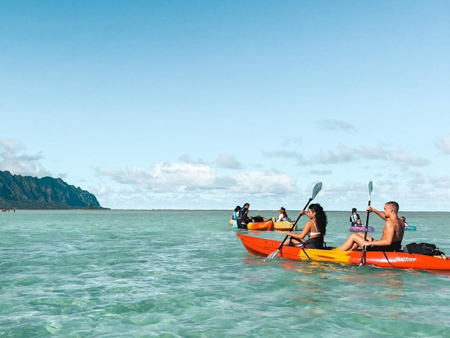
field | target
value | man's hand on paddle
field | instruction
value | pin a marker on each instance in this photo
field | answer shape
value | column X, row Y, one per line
column 365, row 243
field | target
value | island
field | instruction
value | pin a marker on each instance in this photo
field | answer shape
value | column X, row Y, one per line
column 26, row 192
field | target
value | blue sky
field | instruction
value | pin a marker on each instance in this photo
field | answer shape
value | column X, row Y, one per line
column 210, row 104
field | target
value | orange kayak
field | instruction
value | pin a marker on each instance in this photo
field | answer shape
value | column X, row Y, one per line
column 398, row 260
column 260, row 225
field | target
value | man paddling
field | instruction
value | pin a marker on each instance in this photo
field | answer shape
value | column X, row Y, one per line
column 392, row 232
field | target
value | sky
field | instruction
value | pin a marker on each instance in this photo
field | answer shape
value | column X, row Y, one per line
column 211, row 104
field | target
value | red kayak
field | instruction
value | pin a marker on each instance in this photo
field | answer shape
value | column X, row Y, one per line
column 398, row 260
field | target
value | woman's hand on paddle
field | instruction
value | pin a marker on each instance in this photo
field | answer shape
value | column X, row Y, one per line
column 369, row 209
column 303, row 212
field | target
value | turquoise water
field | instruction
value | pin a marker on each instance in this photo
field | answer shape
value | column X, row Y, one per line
column 186, row 274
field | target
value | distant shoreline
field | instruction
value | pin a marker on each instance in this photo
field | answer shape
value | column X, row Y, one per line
column 212, row 210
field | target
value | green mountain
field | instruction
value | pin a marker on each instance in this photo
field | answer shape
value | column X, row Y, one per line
column 26, row 192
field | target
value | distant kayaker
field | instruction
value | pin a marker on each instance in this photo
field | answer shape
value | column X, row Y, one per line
column 235, row 216
column 315, row 229
column 354, row 217
column 243, row 218
column 283, row 216
column 392, row 237
column 404, row 221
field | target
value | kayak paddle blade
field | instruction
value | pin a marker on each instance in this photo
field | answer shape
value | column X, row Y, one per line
column 370, row 189
column 273, row 254
column 317, row 189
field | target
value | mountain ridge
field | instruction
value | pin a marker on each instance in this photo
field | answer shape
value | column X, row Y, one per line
column 27, row 192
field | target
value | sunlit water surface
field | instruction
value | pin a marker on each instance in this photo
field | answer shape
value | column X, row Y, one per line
column 186, row 274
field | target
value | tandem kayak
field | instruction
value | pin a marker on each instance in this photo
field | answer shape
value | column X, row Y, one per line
column 260, row 225
column 361, row 229
column 398, row 260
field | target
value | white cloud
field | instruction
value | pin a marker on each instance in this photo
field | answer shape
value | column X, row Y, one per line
column 443, row 144
column 346, row 154
column 328, row 124
column 343, row 155
column 402, row 157
column 188, row 159
column 321, row 172
column 292, row 155
column 166, row 177
column 187, row 185
column 228, row 162
column 14, row 160
column 183, row 177
column 294, row 142
column 267, row 182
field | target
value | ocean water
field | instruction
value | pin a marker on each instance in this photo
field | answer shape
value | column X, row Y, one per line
column 186, row 274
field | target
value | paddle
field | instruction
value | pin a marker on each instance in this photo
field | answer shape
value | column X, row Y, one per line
column 363, row 255
column 316, row 190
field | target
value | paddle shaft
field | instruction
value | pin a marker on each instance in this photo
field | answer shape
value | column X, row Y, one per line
column 363, row 255
column 295, row 223
column 367, row 222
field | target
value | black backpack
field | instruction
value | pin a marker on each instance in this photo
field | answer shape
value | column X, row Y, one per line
column 258, row 219
column 423, row 249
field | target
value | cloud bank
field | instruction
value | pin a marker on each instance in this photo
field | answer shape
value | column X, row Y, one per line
column 13, row 159
column 443, row 144
column 346, row 154
column 180, row 177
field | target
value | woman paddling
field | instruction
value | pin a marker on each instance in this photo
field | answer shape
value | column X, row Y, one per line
column 315, row 229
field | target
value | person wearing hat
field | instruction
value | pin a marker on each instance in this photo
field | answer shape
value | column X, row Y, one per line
column 283, row 215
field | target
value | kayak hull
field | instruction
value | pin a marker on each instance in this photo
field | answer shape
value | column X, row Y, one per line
column 393, row 260
column 260, row 225
column 361, row 229
column 411, row 228
column 284, row 226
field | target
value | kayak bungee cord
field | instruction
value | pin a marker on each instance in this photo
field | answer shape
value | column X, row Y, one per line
column 387, row 259
column 304, row 251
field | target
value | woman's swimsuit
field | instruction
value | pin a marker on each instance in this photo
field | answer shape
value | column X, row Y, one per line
column 311, row 243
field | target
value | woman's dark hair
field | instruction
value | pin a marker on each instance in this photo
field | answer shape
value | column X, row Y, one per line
column 321, row 217
column 237, row 208
column 354, row 210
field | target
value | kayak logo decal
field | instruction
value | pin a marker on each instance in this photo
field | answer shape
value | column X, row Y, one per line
column 404, row 259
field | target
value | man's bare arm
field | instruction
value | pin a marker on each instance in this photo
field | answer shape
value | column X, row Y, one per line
column 379, row 213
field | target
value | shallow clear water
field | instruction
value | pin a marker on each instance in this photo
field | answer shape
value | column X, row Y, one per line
column 186, row 274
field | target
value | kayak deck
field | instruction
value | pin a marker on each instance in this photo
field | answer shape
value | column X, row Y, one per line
column 398, row 260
